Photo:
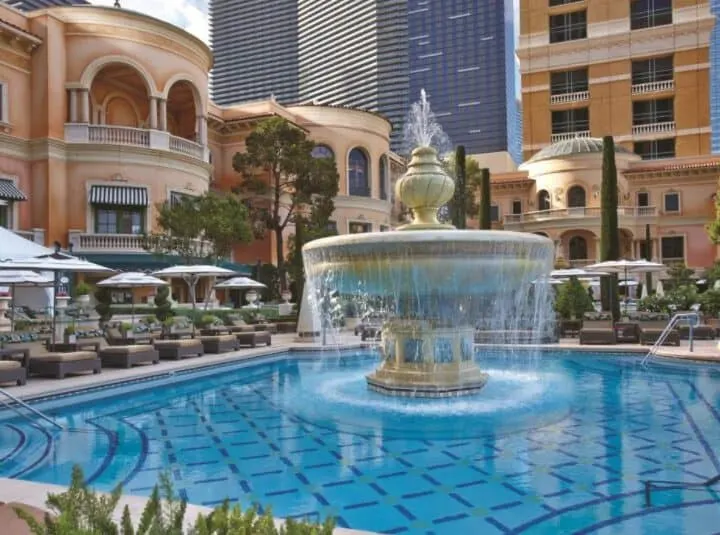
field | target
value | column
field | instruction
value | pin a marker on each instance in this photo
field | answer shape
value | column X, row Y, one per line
column 163, row 114
column 202, row 130
column 85, row 105
column 153, row 113
column 73, row 106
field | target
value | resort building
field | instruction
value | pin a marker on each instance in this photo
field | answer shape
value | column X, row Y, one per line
column 636, row 70
column 105, row 113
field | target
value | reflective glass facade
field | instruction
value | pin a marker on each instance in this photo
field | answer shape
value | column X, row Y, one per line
column 29, row 5
column 715, row 79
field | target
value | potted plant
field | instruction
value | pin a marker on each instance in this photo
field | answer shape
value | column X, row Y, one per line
column 125, row 328
column 70, row 334
column 168, row 325
column 82, row 293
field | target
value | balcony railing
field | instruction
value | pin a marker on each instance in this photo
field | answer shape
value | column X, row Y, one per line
column 667, row 127
column 110, row 243
column 36, row 235
column 653, row 87
column 567, row 98
column 554, row 138
column 134, row 137
column 578, row 213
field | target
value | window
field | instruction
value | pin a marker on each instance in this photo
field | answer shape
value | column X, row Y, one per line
column 576, row 197
column 577, row 248
column 517, row 207
column 543, row 200
column 322, row 151
column 568, row 26
column 653, row 111
column 359, row 228
column 178, row 198
column 494, row 212
column 570, row 121
column 649, row 13
column 383, row 178
column 119, row 220
column 564, row 82
column 652, row 70
column 643, row 198
column 6, row 215
column 358, row 180
column 655, row 149
column 671, row 202
column 4, row 103
column 562, row 2
column 332, row 228
column 672, row 247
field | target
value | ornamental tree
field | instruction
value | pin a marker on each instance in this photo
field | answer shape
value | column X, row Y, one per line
column 609, row 233
column 485, row 206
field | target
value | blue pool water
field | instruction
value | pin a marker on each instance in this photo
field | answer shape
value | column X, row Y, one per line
column 559, row 443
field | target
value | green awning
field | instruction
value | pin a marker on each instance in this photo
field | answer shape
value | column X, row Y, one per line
column 149, row 262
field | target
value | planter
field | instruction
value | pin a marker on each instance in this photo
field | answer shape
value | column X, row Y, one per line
column 286, row 296
column 70, row 338
column 83, row 299
column 61, row 302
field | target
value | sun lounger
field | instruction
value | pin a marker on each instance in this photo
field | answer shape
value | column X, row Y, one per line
column 254, row 338
column 219, row 343
column 650, row 332
column 60, row 364
column 700, row 332
column 12, row 369
column 129, row 355
column 597, row 332
column 179, row 349
column 627, row 333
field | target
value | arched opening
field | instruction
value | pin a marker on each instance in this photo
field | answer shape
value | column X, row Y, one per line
column 358, row 173
column 182, row 111
column 383, row 178
column 576, row 197
column 322, row 151
column 543, row 200
column 577, row 248
column 120, row 97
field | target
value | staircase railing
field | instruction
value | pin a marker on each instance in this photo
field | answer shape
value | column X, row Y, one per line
column 14, row 400
column 674, row 485
column 666, row 332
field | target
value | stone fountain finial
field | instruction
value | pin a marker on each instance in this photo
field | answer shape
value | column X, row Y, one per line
column 425, row 188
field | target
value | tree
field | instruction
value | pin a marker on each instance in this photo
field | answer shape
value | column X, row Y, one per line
column 205, row 227
column 458, row 207
column 485, row 219
column 713, row 229
column 680, row 275
column 281, row 179
column 573, row 300
column 609, row 233
column 103, row 302
column 471, row 186
column 648, row 257
column 163, row 306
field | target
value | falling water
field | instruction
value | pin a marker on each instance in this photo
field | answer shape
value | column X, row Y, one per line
column 422, row 128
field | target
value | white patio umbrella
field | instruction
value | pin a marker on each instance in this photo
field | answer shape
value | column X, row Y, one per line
column 132, row 279
column 572, row 272
column 56, row 262
column 241, row 283
column 548, row 280
column 644, row 292
column 659, row 289
column 626, row 267
column 21, row 278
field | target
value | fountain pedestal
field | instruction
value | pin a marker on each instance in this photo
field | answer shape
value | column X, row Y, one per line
column 422, row 359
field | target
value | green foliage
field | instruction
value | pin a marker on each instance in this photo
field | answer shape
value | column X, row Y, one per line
column 682, row 297
column 654, row 303
column 205, row 227
column 680, row 275
column 306, row 230
column 281, row 180
column 206, row 320
column 485, row 201
column 82, row 288
column 163, row 306
column 458, row 206
column 710, row 303
column 712, row 274
column 103, row 303
column 573, row 300
column 269, row 275
column 648, row 257
column 70, row 330
column 713, row 228
column 125, row 327
column 609, row 234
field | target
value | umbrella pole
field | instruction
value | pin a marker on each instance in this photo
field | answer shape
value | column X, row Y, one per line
column 54, row 308
column 12, row 308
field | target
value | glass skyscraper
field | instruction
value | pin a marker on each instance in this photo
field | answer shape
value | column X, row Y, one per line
column 715, row 79
column 29, row 5
column 378, row 55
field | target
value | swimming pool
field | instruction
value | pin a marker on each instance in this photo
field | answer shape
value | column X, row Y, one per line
column 559, row 443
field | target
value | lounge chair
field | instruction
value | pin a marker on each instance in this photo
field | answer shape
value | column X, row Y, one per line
column 238, row 325
column 650, row 332
column 129, row 355
column 60, row 364
column 597, row 332
column 179, row 349
column 219, row 343
column 627, row 333
column 114, row 337
column 12, row 369
column 254, row 338
column 700, row 332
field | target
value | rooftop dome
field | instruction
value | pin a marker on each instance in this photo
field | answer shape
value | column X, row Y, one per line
column 570, row 147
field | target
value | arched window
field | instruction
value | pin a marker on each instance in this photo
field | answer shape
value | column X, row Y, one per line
column 358, row 179
column 383, row 178
column 576, row 197
column 578, row 248
column 543, row 200
column 322, row 151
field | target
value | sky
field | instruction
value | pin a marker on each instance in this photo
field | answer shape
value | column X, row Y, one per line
column 191, row 15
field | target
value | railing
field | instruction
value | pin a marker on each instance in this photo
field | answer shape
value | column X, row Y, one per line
column 653, row 87
column 668, row 329
column 85, row 242
column 676, row 485
column 667, row 127
column 566, row 98
column 578, row 212
column 119, row 135
column 185, row 146
column 554, row 138
column 15, row 401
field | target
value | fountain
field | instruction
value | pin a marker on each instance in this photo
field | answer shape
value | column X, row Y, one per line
column 438, row 284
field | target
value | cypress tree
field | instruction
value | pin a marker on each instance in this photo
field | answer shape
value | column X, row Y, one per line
column 609, row 234
column 459, row 202
column 648, row 257
column 485, row 222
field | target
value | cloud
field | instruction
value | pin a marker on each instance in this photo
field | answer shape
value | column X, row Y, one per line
column 190, row 15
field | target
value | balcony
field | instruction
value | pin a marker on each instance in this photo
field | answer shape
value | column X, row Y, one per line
column 36, row 235
column 651, row 129
column 579, row 215
column 554, row 138
column 568, row 98
column 109, row 243
column 133, row 137
column 653, row 87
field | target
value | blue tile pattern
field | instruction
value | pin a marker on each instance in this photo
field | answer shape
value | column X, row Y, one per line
column 242, row 434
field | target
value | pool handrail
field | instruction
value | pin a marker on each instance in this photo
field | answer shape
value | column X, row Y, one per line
column 26, row 406
column 666, row 332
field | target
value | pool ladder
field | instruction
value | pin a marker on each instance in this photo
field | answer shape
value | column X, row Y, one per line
column 675, row 485
column 12, row 405
column 666, row 332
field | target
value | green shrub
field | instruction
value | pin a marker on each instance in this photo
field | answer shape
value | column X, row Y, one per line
column 163, row 306
column 82, row 288
column 654, row 303
column 710, row 303
column 573, row 300
column 103, row 305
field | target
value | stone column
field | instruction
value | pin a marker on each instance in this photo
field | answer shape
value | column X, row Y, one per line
column 85, row 105
column 163, row 114
column 73, row 106
column 201, row 130
column 153, row 113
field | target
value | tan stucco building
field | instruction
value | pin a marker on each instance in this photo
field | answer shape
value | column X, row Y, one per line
column 104, row 113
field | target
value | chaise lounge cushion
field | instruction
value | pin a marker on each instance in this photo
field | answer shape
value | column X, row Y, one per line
column 125, row 350
column 184, row 342
column 66, row 357
column 218, row 338
column 9, row 365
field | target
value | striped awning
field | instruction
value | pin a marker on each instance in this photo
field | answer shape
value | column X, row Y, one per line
column 119, row 196
column 10, row 192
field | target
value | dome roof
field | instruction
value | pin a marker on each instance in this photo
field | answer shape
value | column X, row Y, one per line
column 570, row 147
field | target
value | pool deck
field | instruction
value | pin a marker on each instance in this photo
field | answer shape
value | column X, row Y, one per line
column 34, row 494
